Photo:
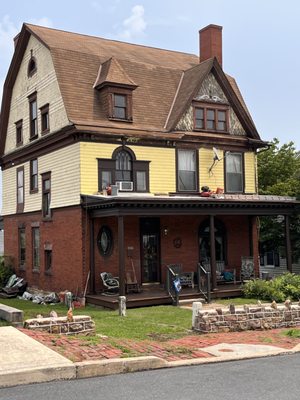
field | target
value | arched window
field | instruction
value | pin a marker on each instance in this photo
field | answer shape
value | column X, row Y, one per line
column 31, row 66
column 220, row 241
column 123, row 170
column 123, row 166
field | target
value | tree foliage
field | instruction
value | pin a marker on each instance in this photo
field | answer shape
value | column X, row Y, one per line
column 279, row 174
column 279, row 170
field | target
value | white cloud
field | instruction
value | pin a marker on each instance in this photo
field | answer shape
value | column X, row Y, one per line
column 134, row 25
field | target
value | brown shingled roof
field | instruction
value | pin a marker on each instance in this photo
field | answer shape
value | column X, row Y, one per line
column 165, row 79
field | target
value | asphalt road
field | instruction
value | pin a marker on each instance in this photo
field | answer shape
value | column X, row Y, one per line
column 266, row 378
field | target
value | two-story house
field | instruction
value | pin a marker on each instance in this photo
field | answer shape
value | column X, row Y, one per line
column 105, row 149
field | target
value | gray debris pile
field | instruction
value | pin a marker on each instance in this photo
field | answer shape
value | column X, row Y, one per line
column 40, row 298
column 14, row 287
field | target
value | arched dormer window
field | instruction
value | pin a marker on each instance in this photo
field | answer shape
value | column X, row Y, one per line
column 123, row 170
column 31, row 66
column 220, row 240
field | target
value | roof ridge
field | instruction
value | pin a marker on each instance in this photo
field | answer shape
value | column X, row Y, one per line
column 111, row 40
column 175, row 97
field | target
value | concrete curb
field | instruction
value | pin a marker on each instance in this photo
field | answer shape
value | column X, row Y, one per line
column 97, row 368
column 88, row 369
column 37, row 375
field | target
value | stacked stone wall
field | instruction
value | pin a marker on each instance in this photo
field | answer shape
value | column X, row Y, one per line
column 81, row 325
column 246, row 318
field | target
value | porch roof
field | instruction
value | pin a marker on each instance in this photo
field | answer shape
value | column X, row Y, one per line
column 147, row 204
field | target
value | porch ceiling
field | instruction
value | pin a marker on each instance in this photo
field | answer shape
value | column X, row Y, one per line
column 149, row 205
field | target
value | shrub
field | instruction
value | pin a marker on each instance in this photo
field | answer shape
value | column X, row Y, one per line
column 283, row 287
column 6, row 270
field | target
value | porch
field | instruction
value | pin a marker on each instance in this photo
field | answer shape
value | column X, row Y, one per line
column 153, row 295
column 151, row 232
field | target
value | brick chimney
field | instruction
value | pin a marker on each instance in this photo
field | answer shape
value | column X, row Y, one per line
column 211, row 42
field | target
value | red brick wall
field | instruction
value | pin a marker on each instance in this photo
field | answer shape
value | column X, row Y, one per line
column 183, row 227
column 69, row 235
column 65, row 235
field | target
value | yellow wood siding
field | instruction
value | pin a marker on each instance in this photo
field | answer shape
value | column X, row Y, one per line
column 64, row 165
column 250, row 172
column 161, row 170
column 162, row 167
column 215, row 178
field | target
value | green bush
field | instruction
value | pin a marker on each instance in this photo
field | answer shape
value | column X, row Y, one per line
column 6, row 270
column 283, row 287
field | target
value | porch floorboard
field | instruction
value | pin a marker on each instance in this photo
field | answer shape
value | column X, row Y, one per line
column 151, row 296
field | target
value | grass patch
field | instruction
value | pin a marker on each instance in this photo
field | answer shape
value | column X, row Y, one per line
column 139, row 324
column 238, row 301
column 293, row 333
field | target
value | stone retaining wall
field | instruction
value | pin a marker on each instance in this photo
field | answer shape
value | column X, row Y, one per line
column 246, row 318
column 81, row 325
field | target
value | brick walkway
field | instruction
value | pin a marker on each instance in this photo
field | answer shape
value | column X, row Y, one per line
column 177, row 349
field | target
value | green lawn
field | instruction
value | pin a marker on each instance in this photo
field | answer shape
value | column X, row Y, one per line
column 159, row 323
column 238, row 301
column 162, row 322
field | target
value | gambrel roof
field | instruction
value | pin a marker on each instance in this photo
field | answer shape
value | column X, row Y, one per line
column 165, row 82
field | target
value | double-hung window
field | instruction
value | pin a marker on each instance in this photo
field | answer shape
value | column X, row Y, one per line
column 36, row 249
column 120, row 106
column 46, row 195
column 234, row 172
column 20, row 189
column 187, row 177
column 33, row 176
column 22, row 247
column 45, row 125
column 33, row 125
column 19, row 133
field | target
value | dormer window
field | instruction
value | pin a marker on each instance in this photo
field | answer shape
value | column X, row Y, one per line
column 115, row 89
column 31, row 66
column 211, row 117
column 119, row 106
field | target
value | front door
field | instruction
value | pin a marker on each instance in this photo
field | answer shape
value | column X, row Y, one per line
column 150, row 249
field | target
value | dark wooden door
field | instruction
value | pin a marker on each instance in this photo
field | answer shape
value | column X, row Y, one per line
column 150, row 249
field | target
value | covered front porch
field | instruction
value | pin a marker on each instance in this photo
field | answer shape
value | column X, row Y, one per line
column 154, row 295
column 142, row 235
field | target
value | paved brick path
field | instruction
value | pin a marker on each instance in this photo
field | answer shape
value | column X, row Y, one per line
column 171, row 350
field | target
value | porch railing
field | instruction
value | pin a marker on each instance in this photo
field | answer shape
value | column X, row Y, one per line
column 173, row 293
column 204, row 282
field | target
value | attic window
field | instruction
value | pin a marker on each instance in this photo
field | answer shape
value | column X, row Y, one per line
column 211, row 117
column 31, row 66
column 120, row 104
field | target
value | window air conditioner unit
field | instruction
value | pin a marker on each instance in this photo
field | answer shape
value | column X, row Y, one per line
column 125, row 186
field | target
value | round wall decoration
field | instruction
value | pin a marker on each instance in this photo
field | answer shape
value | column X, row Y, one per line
column 177, row 242
column 105, row 241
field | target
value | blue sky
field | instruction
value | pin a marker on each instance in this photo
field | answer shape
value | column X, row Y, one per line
column 260, row 43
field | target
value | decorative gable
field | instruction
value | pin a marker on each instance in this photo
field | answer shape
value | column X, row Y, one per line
column 211, row 93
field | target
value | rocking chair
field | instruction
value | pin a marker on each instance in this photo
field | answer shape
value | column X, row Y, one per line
column 110, row 283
